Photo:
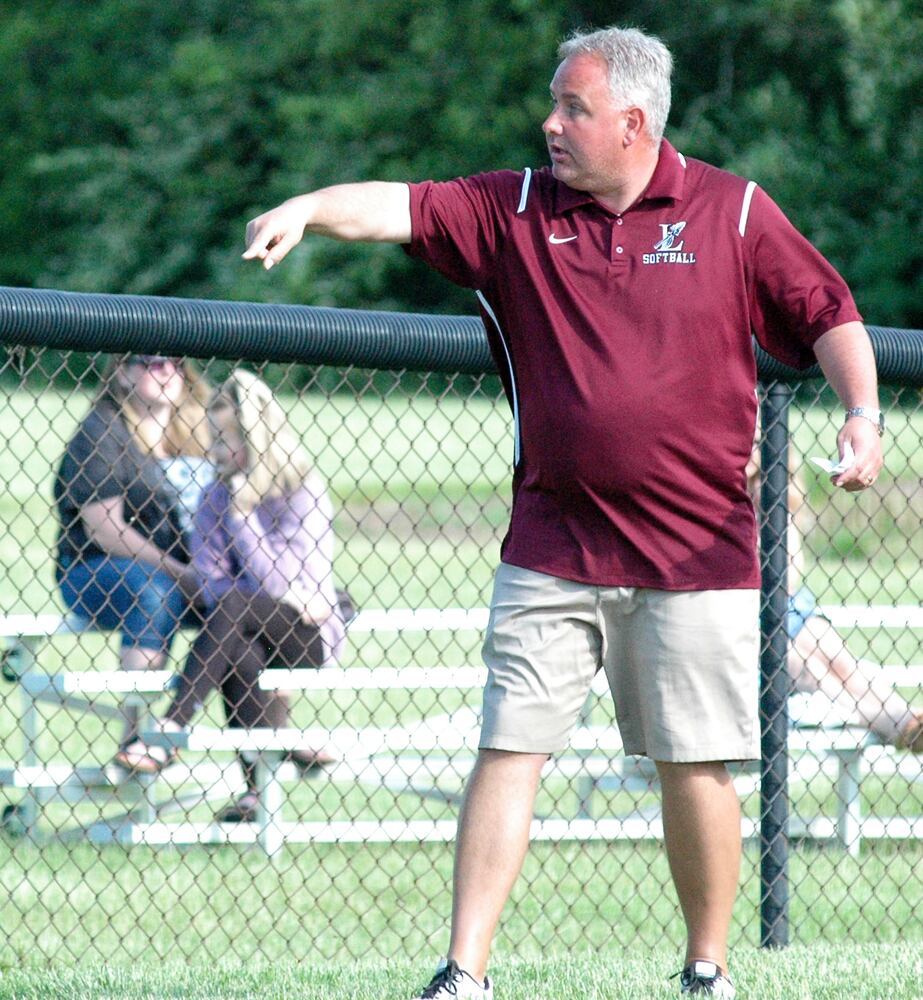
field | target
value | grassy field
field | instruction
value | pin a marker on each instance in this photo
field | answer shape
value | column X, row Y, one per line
column 421, row 489
column 823, row 972
column 81, row 903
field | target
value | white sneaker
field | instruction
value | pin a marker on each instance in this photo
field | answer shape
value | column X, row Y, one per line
column 706, row 978
column 453, row 983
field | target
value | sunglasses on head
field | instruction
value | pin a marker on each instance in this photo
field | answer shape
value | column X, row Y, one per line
column 155, row 362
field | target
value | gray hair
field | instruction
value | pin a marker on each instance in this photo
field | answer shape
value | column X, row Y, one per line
column 639, row 67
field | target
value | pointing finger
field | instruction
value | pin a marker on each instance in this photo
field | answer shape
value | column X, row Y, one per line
column 278, row 250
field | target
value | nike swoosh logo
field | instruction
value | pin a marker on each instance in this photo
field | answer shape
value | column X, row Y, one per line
column 560, row 239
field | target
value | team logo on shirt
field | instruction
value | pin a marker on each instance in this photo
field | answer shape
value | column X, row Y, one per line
column 669, row 248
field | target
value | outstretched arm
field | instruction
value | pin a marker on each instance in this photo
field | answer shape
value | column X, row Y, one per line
column 846, row 358
column 373, row 211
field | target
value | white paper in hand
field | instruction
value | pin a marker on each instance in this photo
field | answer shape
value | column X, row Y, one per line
column 835, row 468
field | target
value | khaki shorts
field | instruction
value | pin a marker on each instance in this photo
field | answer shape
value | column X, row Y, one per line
column 682, row 666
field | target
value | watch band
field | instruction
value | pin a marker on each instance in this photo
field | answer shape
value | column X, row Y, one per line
column 876, row 416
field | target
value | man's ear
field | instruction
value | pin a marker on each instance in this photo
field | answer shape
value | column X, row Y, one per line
column 634, row 126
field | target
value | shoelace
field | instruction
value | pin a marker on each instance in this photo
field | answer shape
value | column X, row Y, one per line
column 695, row 984
column 692, row 982
column 446, row 979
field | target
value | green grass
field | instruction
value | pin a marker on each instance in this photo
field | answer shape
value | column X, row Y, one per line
column 823, row 972
column 340, row 903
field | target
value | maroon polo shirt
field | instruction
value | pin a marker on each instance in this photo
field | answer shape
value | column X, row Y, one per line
column 624, row 345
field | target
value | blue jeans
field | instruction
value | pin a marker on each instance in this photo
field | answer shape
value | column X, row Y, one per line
column 112, row 592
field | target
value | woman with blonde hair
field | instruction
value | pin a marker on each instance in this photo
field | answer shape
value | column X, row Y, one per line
column 263, row 551
column 122, row 549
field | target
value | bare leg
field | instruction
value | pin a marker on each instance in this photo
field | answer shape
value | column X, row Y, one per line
column 137, row 658
column 819, row 660
column 701, row 824
column 493, row 836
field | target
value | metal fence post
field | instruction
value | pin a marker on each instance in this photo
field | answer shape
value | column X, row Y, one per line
column 774, row 683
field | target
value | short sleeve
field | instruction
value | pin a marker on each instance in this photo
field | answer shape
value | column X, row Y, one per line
column 459, row 226
column 795, row 293
column 93, row 462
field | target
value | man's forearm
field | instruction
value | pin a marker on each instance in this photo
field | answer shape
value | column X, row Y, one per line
column 845, row 355
column 372, row 211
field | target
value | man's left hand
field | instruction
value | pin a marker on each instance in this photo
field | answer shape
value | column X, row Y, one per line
column 863, row 436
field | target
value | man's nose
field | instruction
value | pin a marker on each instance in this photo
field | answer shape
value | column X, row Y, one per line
column 552, row 124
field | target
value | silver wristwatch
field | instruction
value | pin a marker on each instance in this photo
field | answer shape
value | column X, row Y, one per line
column 876, row 416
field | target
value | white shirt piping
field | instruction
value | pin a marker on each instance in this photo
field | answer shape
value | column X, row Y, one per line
column 745, row 208
column 524, row 193
column 509, row 362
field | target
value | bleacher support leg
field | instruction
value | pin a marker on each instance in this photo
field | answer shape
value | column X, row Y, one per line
column 31, row 803
column 269, row 813
column 146, row 811
column 849, row 801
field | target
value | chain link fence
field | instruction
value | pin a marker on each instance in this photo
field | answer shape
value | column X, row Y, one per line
column 291, row 789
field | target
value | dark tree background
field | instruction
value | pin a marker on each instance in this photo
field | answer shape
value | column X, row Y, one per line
column 139, row 136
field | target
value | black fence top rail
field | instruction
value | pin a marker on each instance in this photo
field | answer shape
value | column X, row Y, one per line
column 90, row 321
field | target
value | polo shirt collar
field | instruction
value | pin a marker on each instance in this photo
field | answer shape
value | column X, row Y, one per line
column 667, row 182
column 669, row 175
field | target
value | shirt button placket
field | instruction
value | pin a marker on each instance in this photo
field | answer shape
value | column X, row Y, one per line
column 617, row 248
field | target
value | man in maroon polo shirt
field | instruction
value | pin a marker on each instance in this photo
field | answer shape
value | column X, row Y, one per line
column 619, row 289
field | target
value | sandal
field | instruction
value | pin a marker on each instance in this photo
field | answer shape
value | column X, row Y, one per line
column 139, row 758
column 241, row 810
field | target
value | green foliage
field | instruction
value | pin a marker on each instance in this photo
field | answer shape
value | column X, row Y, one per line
column 138, row 137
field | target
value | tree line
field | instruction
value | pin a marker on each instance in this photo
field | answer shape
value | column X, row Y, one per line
column 139, row 136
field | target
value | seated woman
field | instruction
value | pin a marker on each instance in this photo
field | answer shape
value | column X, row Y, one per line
column 122, row 556
column 818, row 659
column 263, row 551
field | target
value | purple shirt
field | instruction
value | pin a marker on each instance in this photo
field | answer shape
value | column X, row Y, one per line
column 624, row 344
column 284, row 544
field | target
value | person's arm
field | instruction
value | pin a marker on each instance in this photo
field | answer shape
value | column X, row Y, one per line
column 315, row 531
column 279, row 566
column 846, row 358
column 290, row 559
column 373, row 211
column 105, row 525
column 209, row 544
